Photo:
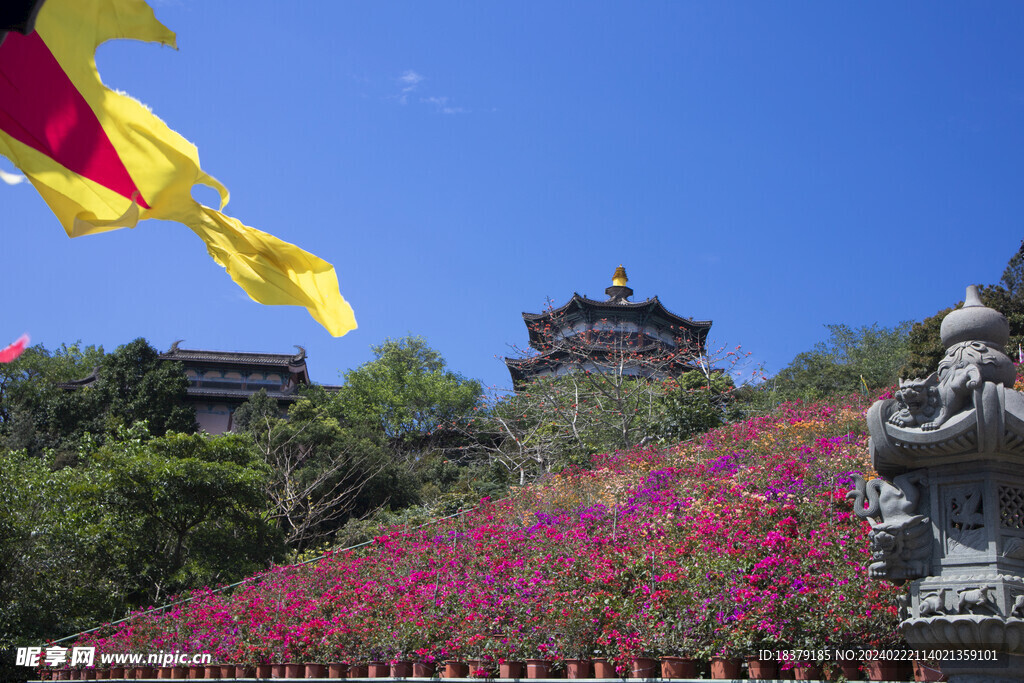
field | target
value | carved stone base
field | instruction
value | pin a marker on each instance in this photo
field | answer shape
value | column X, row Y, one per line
column 966, row 632
column 967, row 641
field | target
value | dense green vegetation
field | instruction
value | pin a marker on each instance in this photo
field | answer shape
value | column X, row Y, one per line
column 851, row 361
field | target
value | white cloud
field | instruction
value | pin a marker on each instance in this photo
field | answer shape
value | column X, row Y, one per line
column 409, row 80
column 441, row 104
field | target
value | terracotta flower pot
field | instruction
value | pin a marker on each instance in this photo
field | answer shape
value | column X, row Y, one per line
column 538, row 668
column 477, row 668
column 104, row 674
column 510, row 670
column 401, row 669
column 725, row 668
column 227, row 670
column 245, row 671
column 644, row 667
column 878, row 670
column 337, row 670
column 264, row 670
column 294, row 670
column 277, row 670
column 807, row 671
column 577, row 668
column 315, row 670
column 678, row 667
column 358, row 670
column 212, row 671
column 197, row 672
column 761, row 669
column 178, row 672
column 455, row 670
column 115, row 673
column 423, row 669
column 604, row 669
column 378, row 670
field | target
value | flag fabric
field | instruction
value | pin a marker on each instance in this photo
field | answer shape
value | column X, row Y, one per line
column 12, row 351
column 101, row 160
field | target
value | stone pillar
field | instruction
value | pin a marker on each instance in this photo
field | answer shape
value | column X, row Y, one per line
column 947, row 516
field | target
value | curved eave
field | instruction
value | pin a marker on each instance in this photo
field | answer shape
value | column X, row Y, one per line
column 264, row 362
column 606, row 310
column 524, row 369
column 653, row 304
column 240, row 395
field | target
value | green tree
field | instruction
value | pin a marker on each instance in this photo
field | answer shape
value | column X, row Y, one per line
column 696, row 403
column 318, row 467
column 187, row 509
column 52, row 579
column 136, row 386
column 49, row 400
column 556, row 422
column 36, row 411
column 406, row 396
column 137, row 519
column 851, row 360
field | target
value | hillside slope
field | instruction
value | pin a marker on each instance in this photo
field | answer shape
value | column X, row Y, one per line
column 737, row 540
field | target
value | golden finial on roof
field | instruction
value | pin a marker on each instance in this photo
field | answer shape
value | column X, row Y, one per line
column 619, row 278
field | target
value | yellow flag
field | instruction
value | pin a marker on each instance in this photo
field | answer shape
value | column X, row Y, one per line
column 102, row 160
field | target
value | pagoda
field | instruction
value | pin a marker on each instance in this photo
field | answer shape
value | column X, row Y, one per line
column 640, row 338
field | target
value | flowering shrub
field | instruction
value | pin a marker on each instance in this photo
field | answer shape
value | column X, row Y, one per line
column 737, row 540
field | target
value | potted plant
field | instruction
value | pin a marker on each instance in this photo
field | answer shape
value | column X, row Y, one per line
column 673, row 639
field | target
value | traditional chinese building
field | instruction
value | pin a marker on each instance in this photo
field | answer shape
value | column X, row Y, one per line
column 640, row 338
column 220, row 381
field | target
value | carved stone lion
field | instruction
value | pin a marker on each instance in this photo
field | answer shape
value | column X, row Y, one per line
column 900, row 538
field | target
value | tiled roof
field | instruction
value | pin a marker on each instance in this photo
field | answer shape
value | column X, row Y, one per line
column 235, row 357
column 613, row 307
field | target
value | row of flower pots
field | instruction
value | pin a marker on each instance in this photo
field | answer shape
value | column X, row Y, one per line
column 642, row 668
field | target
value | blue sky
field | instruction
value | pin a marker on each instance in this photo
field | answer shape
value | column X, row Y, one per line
column 773, row 167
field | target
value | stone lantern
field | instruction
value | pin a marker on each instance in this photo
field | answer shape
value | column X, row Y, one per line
column 947, row 514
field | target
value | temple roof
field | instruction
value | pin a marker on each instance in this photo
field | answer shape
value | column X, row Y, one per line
column 593, row 310
column 294, row 363
column 653, row 305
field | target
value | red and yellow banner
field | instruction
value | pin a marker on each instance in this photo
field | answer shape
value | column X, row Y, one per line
column 102, row 160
